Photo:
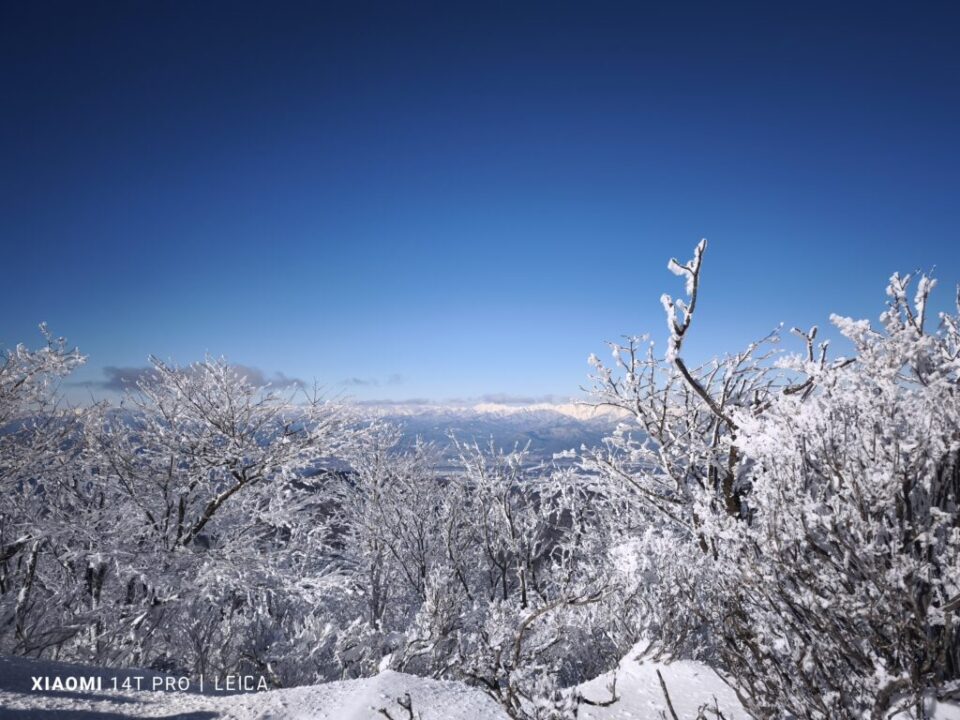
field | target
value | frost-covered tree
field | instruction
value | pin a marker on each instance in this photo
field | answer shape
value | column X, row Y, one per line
column 387, row 541
column 38, row 444
column 187, row 531
column 496, row 573
column 801, row 514
column 538, row 613
column 856, row 485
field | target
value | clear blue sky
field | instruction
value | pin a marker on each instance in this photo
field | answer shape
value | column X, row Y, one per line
column 448, row 200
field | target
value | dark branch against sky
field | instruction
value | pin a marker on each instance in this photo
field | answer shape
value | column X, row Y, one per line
column 438, row 200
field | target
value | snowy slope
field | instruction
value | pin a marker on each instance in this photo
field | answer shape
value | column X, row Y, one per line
column 346, row 700
column 690, row 685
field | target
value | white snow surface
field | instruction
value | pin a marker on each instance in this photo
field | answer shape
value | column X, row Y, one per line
column 690, row 684
column 344, row 700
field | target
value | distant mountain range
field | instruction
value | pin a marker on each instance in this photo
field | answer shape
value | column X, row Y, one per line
column 548, row 428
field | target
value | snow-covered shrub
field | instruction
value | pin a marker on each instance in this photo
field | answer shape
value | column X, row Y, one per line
column 42, row 511
column 184, row 530
column 802, row 514
column 856, row 489
column 219, row 511
column 539, row 586
column 388, row 513
column 496, row 574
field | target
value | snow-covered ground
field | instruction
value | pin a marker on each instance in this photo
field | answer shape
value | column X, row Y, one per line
column 346, row 700
column 690, row 685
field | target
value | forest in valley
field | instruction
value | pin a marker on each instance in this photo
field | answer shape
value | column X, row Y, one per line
column 786, row 514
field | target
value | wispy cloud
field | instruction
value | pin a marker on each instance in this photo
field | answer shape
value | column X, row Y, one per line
column 118, row 379
column 360, row 382
column 393, row 379
column 258, row 378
